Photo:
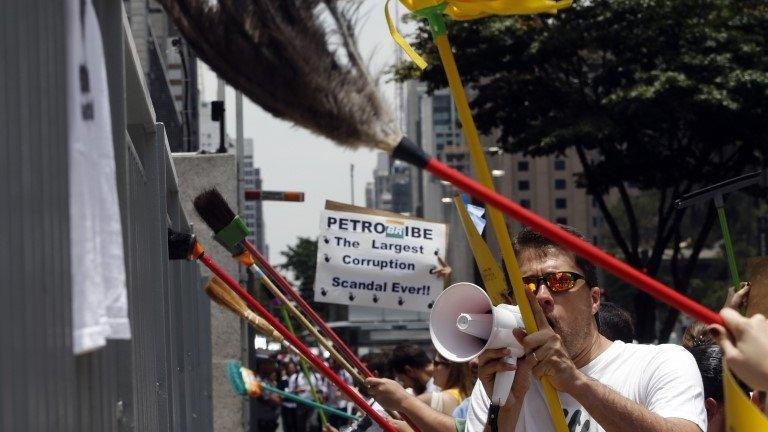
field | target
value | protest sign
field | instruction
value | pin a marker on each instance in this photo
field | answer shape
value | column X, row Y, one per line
column 372, row 258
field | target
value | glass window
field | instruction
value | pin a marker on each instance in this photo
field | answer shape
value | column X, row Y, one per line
column 559, row 164
column 561, row 203
column 522, row 165
column 559, row 184
column 562, row 221
column 523, row 185
column 525, row 203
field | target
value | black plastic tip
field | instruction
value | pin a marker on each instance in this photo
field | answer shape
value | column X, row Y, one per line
column 407, row 151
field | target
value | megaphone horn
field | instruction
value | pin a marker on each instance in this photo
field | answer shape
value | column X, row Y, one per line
column 464, row 323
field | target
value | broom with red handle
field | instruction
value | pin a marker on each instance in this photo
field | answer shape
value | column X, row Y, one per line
column 185, row 246
column 218, row 215
column 341, row 102
column 230, row 231
column 407, row 151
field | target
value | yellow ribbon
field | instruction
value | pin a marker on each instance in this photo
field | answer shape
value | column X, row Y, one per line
column 400, row 40
column 468, row 10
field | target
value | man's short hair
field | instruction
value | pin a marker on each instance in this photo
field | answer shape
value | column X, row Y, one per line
column 615, row 323
column 408, row 354
column 378, row 364
column 527, row 239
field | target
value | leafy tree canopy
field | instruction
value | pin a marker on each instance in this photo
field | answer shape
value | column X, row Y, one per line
column 653, row 95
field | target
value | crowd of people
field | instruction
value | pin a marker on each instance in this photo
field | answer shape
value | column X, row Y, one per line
column 584, row 347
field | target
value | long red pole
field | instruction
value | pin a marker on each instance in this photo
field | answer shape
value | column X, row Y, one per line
column 295, row 296
column 305, row 351
column 578, row 246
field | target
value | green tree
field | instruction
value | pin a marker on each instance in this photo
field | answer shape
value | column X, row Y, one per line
column 656, row 95
column 301, row 260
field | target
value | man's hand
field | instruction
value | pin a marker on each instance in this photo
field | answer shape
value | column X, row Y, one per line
column 400, row 425
column 737, row 300
column 745, row 345
column 387, row 393
column 492, row 361
column 546, row 350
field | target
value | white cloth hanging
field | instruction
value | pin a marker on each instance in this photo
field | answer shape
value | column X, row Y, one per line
column 99, row 295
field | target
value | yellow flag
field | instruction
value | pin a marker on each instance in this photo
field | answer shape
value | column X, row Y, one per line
column 741, row 415
column 471, row 9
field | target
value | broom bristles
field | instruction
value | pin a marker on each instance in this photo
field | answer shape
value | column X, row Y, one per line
column 220, row 293
column 213, row 209
column 294, row 62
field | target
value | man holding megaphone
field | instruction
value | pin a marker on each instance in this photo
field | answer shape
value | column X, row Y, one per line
column 603, row 385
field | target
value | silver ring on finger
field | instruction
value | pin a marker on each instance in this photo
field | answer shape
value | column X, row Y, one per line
column 533, row 354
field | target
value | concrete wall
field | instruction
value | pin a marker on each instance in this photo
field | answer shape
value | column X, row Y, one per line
column 197, row 173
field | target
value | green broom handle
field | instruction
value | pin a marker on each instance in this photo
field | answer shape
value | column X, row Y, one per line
column 733, row 270
column 307, row 402
column 304, row 368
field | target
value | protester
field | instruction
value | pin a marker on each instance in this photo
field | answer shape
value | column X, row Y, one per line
column 268, row 404
column 393, row 396
column 307, row 418
column 413, row 368
column 709, row 358
column 455, row 380
column 615, row 323
column 604, row 385
column 461, row 411
column 335, row 398
column 288, row 410
column 378, row 364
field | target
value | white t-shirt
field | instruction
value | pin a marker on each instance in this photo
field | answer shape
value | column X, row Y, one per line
column 662, row 378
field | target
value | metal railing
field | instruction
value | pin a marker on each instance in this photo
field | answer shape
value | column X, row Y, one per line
column 160, row 379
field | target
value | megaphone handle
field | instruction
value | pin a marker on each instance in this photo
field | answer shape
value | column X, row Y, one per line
column 502, row 384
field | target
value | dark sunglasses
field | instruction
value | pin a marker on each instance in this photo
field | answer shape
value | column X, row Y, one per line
column 556, row 282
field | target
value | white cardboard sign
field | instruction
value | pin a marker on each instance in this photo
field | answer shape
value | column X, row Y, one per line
column 371, row 258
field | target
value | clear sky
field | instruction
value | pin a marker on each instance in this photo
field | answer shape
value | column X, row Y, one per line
column 291, row 158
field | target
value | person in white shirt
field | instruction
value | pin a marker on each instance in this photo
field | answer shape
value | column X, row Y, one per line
column 307, row 419
column 603, row 385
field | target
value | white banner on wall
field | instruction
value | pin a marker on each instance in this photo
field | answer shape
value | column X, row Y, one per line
column 371, row 258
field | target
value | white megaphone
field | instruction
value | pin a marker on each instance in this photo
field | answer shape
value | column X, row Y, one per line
column 464, row 323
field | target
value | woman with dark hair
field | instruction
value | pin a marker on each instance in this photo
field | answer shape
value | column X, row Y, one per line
column 456, row 382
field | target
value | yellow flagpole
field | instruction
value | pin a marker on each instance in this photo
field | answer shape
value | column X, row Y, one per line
column 436, row 21
column 495, row 217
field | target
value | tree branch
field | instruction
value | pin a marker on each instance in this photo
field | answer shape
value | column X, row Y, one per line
column 632, row 218
column 609, row 218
